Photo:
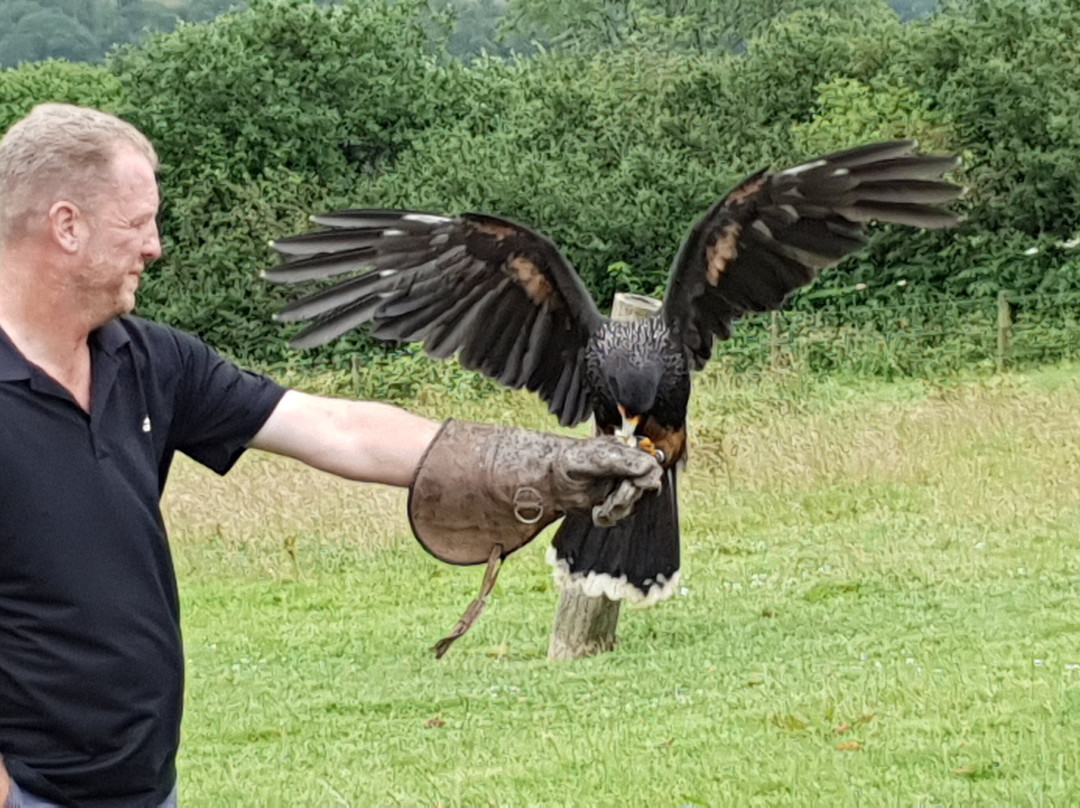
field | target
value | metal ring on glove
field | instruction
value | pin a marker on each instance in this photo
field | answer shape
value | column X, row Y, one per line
column 535, row 504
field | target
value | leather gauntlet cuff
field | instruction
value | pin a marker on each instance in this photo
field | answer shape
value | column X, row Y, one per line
column 481, row 485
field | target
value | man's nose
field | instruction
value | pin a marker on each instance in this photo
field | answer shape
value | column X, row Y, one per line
column 152, row 247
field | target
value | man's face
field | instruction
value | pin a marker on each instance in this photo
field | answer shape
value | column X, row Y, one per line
column 123, row 236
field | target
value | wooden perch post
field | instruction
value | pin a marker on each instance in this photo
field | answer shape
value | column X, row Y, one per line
column 585, row 625
column 1004, row 330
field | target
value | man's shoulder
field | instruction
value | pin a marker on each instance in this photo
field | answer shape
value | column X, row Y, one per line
column 152, row 340
column 133, row 326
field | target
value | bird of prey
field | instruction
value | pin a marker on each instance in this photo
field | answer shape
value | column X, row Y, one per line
column 504, row 299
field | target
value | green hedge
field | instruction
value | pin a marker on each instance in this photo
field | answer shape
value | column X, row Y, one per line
column 289, row 107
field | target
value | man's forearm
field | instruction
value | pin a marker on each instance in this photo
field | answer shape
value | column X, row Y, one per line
column 360, row 440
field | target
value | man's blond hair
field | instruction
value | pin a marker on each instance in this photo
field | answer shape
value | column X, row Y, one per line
column 59, row 151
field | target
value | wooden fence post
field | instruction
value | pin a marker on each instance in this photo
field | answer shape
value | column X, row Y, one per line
column 585, row 625
column 1004, row 330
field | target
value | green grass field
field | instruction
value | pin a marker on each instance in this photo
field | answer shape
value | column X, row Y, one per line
column 879, row 607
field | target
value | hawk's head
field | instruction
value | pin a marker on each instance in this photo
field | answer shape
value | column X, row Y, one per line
column 634, row 387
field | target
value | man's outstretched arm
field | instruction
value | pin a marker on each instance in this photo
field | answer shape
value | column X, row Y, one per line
column 358, row 440
column 473, row 485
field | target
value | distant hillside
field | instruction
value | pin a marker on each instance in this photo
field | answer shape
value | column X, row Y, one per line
column 86, row 30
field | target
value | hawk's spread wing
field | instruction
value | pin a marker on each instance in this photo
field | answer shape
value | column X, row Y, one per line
column 497, row 293
column 773, row 233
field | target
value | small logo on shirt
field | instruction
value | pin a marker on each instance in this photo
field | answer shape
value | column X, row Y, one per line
column 146, row 424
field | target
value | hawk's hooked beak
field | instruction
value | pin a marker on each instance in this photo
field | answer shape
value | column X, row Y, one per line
column 625, row 433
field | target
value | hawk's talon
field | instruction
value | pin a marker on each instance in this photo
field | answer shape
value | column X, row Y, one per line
column 646, row 445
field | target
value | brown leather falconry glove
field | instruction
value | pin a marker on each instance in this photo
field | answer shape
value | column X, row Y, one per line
column 480, row 486
column 483, row 491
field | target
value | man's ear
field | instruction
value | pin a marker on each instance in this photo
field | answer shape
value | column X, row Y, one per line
column 66, row 225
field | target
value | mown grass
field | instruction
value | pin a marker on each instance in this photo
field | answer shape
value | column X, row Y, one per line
column 879, row 607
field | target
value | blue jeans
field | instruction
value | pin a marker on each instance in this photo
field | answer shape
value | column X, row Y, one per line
column 18, row 798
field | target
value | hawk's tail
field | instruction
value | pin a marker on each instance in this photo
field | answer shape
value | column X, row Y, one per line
column 637, row 559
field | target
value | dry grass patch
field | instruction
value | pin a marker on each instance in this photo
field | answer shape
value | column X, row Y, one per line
column 270, row 507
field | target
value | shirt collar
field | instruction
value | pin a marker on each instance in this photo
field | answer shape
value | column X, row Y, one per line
column 110, row 337
column 14, row 366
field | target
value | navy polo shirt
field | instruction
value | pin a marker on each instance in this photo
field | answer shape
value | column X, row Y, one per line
column 91, row 662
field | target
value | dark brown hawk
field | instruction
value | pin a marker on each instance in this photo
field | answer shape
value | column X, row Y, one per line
column 504, row 299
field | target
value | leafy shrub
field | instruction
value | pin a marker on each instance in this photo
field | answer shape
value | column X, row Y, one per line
column 21, row 88
column 289, row 107
column 258, row 117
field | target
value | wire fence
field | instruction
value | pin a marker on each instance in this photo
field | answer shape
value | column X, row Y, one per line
column 911, row 337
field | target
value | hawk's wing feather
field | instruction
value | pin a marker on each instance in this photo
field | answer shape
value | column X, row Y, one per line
column 498, row 294
column 773, row 233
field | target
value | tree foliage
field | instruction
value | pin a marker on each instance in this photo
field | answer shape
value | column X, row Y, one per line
column 258, row 117
column 1008, row 73
column 54, row 80
column 85, row 30
column 696, row 25
column 612, row 141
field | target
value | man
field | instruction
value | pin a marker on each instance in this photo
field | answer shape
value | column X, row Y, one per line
column 93, row 405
